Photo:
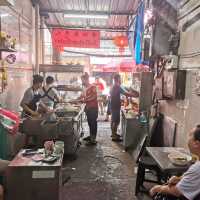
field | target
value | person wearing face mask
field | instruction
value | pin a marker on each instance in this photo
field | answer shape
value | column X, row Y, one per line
column 31, row 98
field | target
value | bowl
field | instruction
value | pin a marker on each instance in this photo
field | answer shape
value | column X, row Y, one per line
column 179, row 159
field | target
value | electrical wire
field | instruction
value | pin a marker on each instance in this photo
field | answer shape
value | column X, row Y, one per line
column 190, row 56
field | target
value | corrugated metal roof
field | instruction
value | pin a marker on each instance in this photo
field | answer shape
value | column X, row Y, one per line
column 108, row 6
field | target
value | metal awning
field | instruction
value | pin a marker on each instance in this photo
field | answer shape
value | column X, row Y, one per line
column 120, row 13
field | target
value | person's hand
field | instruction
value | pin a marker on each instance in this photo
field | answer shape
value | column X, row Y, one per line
column 173, row 180
column 82, row 101
column 50, row 111
column 155, row 189
column 35, row 114
column 76, row 101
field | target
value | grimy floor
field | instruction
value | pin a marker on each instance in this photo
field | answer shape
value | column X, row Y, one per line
column 102, row 172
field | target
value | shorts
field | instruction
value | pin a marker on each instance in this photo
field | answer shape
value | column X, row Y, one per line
column 109, row 108
column 115, row 116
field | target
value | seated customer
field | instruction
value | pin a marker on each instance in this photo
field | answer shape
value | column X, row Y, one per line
column 1, row 192
column 3, row 166
column 189, row 184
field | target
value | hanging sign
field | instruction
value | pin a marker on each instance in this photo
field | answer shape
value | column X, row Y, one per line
column 75, row 38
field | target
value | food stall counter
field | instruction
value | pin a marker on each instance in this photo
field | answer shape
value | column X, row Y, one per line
column 65, row 124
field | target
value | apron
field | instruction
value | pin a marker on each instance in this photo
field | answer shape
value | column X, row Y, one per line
column 33, row 103
column 46, row 94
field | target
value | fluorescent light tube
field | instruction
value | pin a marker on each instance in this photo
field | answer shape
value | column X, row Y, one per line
column 4, row 15
column 86, row 16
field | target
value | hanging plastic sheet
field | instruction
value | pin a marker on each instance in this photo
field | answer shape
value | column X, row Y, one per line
column 139, row 29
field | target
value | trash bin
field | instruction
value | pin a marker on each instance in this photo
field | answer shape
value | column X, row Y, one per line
column 3, row 143
column 9, row 124
column 3, row 146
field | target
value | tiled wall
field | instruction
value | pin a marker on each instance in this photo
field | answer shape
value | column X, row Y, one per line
column 19, row 25
column 186, row 112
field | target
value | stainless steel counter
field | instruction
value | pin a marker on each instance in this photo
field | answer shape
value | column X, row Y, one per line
column 132, row 130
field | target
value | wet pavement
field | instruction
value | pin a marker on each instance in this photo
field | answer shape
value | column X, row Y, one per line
column 101, row 172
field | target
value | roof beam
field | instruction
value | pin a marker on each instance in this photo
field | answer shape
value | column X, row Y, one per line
column 82, row 12
column 97, row 28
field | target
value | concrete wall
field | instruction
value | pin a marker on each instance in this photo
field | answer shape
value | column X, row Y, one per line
column 18, row 24
column 186, row 112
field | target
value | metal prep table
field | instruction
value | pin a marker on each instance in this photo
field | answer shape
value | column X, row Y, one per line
column 30, row 180
column 70, row 129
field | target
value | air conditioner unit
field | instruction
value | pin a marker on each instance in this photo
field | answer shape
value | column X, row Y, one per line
column 7, row 2
column 171, row 62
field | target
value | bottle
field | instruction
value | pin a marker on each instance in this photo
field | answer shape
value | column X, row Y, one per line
column 143, row 118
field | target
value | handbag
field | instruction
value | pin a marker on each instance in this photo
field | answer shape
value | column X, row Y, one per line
column 160, row 196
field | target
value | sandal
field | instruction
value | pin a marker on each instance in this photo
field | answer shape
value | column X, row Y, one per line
column 91, row 143
column 117, row 139
column 86, row 138
column 116, row 136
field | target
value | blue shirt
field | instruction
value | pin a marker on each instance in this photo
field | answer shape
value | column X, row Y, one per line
column 115, row 93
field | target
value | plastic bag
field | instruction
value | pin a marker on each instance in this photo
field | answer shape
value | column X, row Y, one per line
column 9, row 120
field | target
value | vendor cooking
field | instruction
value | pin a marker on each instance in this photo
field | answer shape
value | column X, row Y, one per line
column 32, row 97
column 49, row 95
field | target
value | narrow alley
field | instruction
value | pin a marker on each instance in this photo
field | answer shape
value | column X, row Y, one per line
column 101, row 172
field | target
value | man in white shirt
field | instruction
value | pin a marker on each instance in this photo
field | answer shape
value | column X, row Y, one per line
column 31, row 98
column 189, row 184
column 49, row 95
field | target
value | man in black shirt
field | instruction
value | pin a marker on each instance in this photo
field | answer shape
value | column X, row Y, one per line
column 116, row 92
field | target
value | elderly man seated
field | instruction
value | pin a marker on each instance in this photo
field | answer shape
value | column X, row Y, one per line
column 188, row 185
column 1, row 192
column 3, row 166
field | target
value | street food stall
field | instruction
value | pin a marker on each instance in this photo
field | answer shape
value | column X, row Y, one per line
column 135, row 111
column 64, row 124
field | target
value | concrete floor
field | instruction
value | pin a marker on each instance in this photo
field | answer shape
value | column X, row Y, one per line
column 101, row 172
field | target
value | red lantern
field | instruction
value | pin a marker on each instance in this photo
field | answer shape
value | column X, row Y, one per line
column 121, row 42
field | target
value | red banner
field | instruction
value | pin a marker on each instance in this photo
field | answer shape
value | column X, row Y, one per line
column 75, row 38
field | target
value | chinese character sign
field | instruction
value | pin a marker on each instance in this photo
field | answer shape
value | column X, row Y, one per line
column 75, row 38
